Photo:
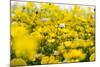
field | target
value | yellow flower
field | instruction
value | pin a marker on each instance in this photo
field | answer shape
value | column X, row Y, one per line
column 52, row 60
column 17, row 62
column 80, row 43
column 18, row 29
column 74, row 54
column 61, row 48
column 81, row 18
column 26, row 46
column 52, row 34
column 51, row 40
column 68, row 44
column 64, row 30
column 90, row 43
column 72, row 34
column 89, row 30
column 44, row 60
column 92, row 57
column 36, row 36
column 92, row 49
column 69, row 16
column 18, row 11
column 30, row 4
column 77, row 43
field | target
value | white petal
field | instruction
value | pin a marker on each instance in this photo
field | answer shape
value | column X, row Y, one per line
column 62, row 25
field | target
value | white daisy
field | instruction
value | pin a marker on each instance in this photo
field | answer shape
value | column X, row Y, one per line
column 62, row 25
column 44, row 19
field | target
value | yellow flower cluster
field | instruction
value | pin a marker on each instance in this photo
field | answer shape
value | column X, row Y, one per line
column 18, row 61
column 49, row 60
column 75, row 54
column 47, row 33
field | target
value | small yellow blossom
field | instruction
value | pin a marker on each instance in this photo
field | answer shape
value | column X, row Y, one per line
column 17, row 62
column 92, row 57
column 18, row 29
column 30, row 4
column 44, row 60
column 52, row 60
column 51, row 40
column 61, row 48
column 74, row 54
